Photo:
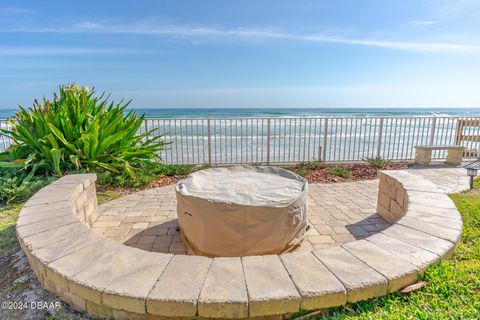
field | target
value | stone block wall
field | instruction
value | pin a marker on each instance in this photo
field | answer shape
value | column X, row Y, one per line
column 107, row 279
column 84, row 198
column 392, row 198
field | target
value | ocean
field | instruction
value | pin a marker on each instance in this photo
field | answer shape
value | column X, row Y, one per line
column 290, row 112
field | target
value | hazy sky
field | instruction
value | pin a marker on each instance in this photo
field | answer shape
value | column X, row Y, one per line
column 225, row 53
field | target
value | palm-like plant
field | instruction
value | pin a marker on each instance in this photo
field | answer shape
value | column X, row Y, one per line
column 79, row 131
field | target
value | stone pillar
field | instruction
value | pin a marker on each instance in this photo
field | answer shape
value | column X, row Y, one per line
column 423, row 155
column 455, row 156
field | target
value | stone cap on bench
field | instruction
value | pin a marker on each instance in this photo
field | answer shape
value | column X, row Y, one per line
column 108, row 279
column 440, row 147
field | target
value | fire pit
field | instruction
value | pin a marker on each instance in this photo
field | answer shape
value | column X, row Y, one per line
column 241, row 211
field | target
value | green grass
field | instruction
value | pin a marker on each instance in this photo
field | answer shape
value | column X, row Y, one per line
column 453, row 291
column 8, row 218
column 340, row 171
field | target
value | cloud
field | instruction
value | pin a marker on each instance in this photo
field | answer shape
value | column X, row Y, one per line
column 256, row 34
column 61, row 51
column 423, row 22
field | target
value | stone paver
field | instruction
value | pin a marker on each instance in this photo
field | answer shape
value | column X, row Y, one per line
column 127, row 283
column 399, row 272
column 318, row 287
column 177, row 290
column 448, row 178
column 361, row 281
column 224, row 294
column 272, row 294
column 123, row 276
column 147, row 220
column 420, row 239
column 404, row 250
column 338, row 213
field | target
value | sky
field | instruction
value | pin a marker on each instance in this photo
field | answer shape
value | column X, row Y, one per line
column 249, row 53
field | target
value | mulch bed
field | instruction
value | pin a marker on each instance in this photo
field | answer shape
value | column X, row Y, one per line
column 159, row 182
column 165, row 181
column 358, row 171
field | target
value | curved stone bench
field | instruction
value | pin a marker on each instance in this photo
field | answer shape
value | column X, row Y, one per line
column 108, row 279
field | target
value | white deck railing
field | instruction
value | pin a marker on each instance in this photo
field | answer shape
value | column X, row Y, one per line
column 290, row 140
column 4, row 140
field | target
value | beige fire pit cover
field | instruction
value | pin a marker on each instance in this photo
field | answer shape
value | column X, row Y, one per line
column 241, row 211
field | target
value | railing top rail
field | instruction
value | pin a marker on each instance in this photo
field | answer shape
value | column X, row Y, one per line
column 317, row 117
column 309, row 117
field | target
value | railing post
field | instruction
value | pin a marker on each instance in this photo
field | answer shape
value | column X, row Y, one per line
column 380, row 132
column 268, row 141
column 145, row 121
column 209, row 143
column 325, row 133
column 432, row 133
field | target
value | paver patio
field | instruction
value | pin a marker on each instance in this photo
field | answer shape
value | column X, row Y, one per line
column 160, row 285
column 338, row 213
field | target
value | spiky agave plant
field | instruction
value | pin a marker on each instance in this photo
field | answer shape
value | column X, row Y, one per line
column 78, row 130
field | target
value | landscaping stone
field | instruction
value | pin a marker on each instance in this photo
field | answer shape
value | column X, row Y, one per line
column 49, row 198
column 99, row 310
column 413, row 254
column 43, row 216
column 45, row 225
column 62, row 270
column 40, row 240
column 177, row 290
column 411, row 181
column 224, row 294
column 124, row 276
column 27, row 209
column 270, row 289
column 433, row 229
column 361, row 281
column 86, row 179
column 441, row 247
column 443, row 221
column 398, row 272
column 444, row 212
column 56, row 250
column 318, row 287
column 440, row 202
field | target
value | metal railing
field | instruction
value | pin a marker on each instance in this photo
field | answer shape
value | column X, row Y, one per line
column 291, row 140
column 4, row 140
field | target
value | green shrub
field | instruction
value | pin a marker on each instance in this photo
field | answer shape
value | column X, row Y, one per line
column 378, row 162
column 146, row 175
column 172, row 169
column 312, row 165
column 301, row 171
column 304, row 168
column 340, row 171
column 79, row 131
column 16, row 185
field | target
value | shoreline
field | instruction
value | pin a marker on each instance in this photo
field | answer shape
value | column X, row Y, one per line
column 227, row 113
